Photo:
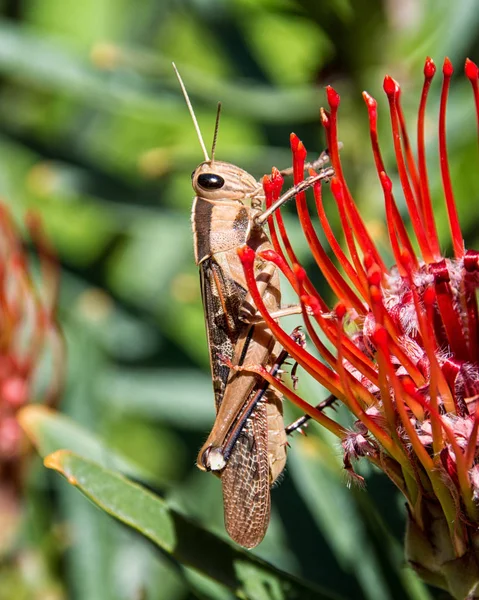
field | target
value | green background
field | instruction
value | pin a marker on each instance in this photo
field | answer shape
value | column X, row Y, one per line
column 94, row 134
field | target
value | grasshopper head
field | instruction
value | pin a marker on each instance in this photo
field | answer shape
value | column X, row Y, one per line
column 216, row 180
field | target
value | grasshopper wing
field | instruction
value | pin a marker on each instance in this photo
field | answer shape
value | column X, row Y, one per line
column 246, row 481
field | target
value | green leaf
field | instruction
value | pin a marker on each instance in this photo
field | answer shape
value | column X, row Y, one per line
column 49, row 430
column 240, row 571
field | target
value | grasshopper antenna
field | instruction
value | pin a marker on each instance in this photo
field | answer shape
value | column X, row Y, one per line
column 215, row 136
column 192, row 113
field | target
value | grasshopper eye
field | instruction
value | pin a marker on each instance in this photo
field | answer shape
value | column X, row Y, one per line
column 210, row 181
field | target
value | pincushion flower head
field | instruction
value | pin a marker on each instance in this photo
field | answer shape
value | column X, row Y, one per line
column 405, row 339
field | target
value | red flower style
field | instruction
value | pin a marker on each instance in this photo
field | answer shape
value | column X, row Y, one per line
column 406, row 339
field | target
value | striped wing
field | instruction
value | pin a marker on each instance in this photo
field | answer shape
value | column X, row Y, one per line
column 246, row 482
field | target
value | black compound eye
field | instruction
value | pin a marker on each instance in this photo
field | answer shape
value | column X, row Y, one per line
column 193, row 174
column 210, row 181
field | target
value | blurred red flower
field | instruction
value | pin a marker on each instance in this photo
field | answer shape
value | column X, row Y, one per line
column 31, row 348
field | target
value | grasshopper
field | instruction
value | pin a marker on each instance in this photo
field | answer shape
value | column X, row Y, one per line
column 247, row 445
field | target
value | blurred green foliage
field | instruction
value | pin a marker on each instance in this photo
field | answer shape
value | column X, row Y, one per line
column 95, row 135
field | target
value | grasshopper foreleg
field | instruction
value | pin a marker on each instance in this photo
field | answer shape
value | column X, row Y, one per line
column 302, row 421
column 319, row 163
column 260, row 219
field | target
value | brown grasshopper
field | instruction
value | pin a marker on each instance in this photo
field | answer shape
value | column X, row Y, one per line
column 247, row 445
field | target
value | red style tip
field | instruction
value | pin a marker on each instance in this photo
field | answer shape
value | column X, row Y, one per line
column 246, row 254
column 471, row 70
column 275, row 173
column 272, row 184
column 333, row 97
column 300, row 152
column 406, row 259
column 270, row 255
column 268, row 185
column 340, row 311
column 447, row 68
column 277, row 180
column 371, row 103
column 380, row 337
column 324, row 116
column 429, row 68
column 409, row 386
column 294, row 141
column 390, row 86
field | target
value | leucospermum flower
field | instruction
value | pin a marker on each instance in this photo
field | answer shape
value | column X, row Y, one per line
column 406, row 339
